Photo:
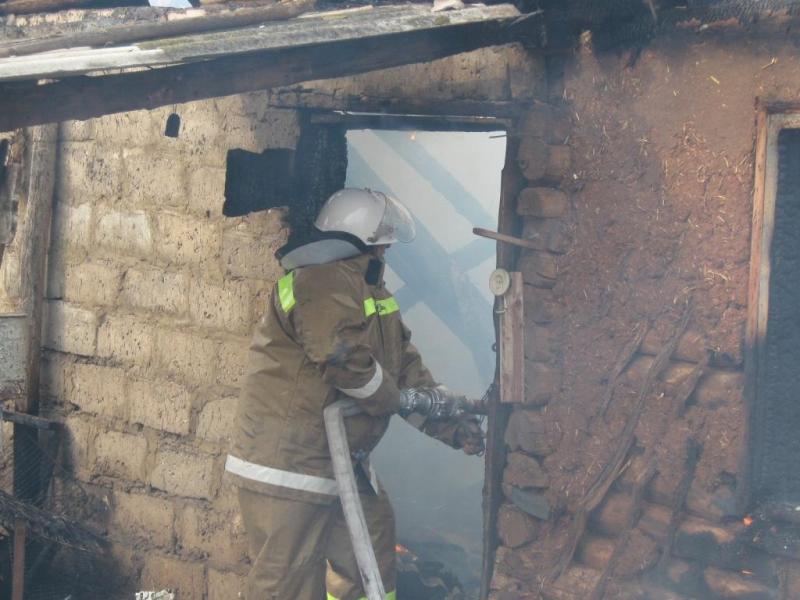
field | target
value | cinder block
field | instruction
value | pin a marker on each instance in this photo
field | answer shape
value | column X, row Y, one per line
column 542, row 162
column 56, row 370
column 559, row 163
column 548, row 123
column 226, row 306
column 184, row 472
column 77, row 131
column 200, row 531
column 126, row 233
column 156, row 176
column 71, row 225
column 548, row 234
column 120, row 455
column 542, row 202
column 524, row 472
column 720, row 388
column 187, row 240
column 187, row 355
column 283, row 125
column 79, row 438
column 162, row 405
column 539, row 343
column 514, row 527
column 94, row 283
column 125, row 339
column 97, row 389
column 532, row 157
column 542, row 383
column 538, row 269
column 129, row 129
column 162, row 571
column 217, row 420
column 88, row 170
column 528, row 431
column 225, row 585
column 246, row 255
column 260, row 129
column 156, row 290
column 201, row 126
column 70, row 329
column 541, row 306
column 232, row 362
column 207, row 191
column 144, row 517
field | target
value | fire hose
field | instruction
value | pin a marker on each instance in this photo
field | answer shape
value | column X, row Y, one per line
column 342, row 462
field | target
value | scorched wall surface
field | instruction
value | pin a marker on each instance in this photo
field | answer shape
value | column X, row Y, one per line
column 151, row 298
column 648, row 222
column 152, row 295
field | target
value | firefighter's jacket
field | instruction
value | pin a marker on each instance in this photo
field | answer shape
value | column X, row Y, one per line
column 331, row 331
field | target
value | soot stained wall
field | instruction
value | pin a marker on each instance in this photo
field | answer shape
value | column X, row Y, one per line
column 642, row 207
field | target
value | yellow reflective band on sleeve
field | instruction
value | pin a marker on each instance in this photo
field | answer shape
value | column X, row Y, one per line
column 382, row 307
column 387, row 306
column 286, row 291
column 390, row 596
column 369, row 307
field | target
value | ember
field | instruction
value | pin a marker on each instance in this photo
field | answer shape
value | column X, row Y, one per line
column 747, row 521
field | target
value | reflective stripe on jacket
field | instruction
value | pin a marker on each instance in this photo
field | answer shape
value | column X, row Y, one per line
column 327, row 334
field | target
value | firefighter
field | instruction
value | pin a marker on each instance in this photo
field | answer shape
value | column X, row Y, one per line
column 331, row 331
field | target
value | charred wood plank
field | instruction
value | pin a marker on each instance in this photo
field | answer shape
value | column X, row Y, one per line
column 693, row 451
column 512, row 344
column 625, row 358
column 32, row 421
column 196, row 21
column 598, row 490
column 497, row 420
column 34, row 244
column 622, row 542
column 25, row 7
column 18, row 569
column 26, row 103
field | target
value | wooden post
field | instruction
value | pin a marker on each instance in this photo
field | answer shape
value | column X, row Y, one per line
column 512, row 349
column 34, row 243
column 497, row 420
column 18, row 573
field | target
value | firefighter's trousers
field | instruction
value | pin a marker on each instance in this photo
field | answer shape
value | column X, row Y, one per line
column 293, row 544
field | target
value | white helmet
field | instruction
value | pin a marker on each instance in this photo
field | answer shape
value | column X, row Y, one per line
column 373, row 217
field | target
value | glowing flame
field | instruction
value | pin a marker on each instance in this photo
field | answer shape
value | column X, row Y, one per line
column 748, row 520
column 400, row 549
column 747, row 572
column 413, row 136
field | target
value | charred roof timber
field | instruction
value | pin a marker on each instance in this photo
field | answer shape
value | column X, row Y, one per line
column 207, row 62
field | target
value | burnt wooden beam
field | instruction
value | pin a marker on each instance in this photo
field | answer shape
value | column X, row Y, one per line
column 194, row 21
column 85, row 97
column 27, row 420
column 26, row 7
column 34, row 243
column 511, row 183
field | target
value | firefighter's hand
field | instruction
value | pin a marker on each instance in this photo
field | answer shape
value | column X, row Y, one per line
column 437, row 403
column 469, row 436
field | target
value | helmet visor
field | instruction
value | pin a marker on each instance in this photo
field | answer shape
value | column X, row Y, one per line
column 397, row 224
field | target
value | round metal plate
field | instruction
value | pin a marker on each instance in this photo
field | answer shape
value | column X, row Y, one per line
column 499, row 282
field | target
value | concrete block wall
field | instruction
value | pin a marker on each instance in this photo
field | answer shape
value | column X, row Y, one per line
column 151, row 298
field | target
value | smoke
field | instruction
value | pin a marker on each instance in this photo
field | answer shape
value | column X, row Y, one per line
column 451, row 183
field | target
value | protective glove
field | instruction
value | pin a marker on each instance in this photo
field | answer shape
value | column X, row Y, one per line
column 437, row 403
column 469, row 436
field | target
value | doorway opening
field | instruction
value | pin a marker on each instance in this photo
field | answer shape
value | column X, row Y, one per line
column 773, row 334
column 450, row 180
